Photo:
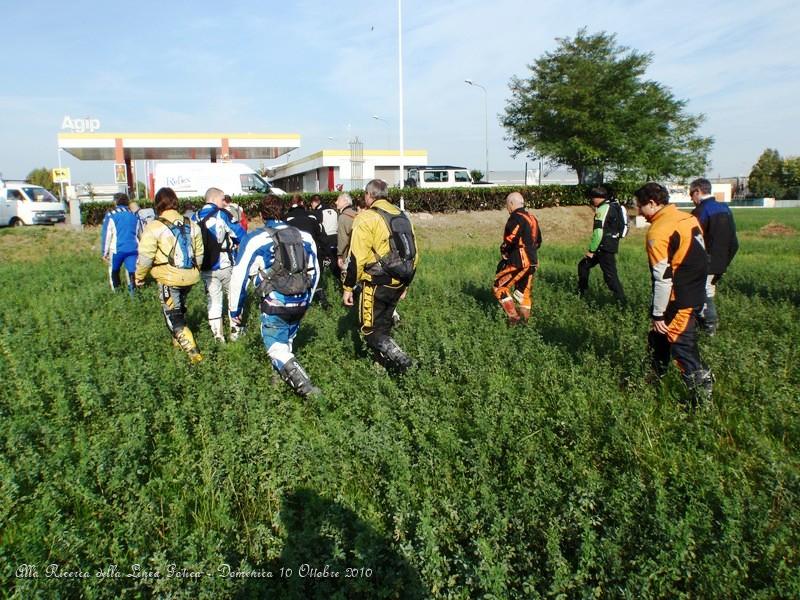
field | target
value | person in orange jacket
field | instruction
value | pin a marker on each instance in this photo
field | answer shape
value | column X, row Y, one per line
column 519, row 260
column 678, row 263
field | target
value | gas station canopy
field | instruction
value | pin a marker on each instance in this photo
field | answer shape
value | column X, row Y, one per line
column 125, row 147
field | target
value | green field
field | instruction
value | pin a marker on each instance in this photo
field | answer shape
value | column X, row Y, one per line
column 512, row 463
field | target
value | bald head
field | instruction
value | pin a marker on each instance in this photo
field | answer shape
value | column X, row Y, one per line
column 514, row 201
column 215, row 196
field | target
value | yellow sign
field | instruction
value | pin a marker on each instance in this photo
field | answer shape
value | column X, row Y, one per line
column 61, row 175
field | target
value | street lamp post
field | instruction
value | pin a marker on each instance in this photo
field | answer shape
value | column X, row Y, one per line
column 485, row 118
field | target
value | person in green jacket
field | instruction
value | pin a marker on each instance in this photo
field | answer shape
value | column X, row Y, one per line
column 609, row 227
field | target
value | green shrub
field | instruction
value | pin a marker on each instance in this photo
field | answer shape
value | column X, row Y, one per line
column 416, row 199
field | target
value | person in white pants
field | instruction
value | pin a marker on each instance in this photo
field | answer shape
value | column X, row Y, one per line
column 221, row 235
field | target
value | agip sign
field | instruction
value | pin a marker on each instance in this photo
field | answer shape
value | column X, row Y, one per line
column 80, row 125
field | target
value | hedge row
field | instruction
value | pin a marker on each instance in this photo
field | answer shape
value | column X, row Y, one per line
column 416, row 199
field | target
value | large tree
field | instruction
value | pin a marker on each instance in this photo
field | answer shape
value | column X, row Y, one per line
column 587, row 105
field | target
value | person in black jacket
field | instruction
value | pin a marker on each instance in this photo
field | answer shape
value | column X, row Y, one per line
column 604, row 245
column 306, row 220
column 519, row 261
column 719, row 233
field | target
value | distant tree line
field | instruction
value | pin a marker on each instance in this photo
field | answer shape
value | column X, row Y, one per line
column 775, row 177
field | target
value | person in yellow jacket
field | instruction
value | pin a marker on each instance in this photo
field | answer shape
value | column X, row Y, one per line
column 169, row 250
column 383, row 261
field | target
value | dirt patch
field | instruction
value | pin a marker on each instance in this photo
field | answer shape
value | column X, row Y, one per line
column 568, row 224
column 38, row 243
column 774, row 229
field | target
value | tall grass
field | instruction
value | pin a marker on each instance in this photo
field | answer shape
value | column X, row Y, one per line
column 514, row 463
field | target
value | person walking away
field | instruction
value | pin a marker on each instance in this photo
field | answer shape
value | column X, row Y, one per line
column 281, row 262
column 168, row 251
column 522, row 238
column 344, row 229
column 221, row 235
column 119, row 239
column 719, row 233
column 383, row 261
column 678, row 263
column 610, row 226
column 298, row 216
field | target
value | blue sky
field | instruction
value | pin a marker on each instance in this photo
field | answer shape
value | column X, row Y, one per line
column 322, row 69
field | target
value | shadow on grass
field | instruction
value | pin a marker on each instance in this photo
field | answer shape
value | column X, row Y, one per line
column 483, row 296
column 323, row 536
column 348, row 326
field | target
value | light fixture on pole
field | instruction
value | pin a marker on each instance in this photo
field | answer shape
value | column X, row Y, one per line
column 486, row 120
column 388, row 131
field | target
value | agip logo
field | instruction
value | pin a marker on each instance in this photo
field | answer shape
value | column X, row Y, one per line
column 80, row 125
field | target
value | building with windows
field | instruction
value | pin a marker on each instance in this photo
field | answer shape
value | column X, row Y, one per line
column 332, row 170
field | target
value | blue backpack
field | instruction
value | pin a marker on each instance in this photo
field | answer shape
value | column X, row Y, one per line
column 182, row 254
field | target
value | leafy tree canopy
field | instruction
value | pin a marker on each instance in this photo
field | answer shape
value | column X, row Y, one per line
column 775, row 177
column 766, row 175
column 476, row 174
column 588, row 106
column 43, row 177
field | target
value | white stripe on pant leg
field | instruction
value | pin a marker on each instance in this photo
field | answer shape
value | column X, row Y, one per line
column 711, row 289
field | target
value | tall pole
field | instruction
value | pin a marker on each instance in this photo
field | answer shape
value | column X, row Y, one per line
column 400, row 95
column 485, row 121
column 62, row 181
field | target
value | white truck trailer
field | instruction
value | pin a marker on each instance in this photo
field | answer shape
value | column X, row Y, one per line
column 190, row 179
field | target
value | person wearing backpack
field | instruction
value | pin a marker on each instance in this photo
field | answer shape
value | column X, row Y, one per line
column 306, row 220
column 281, row 262
column 329, row 223
column 221, row 234
column 522, row 238
column 383, row 261
column 610, row 226
column 169, row 250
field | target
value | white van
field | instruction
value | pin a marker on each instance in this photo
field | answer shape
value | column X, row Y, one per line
column 190, row 179
column 23, row 203
column 441, row 176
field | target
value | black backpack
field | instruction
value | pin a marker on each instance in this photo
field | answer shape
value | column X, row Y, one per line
column 398, row 263
column 621, row 217
column 211, row 246
column 289, row 271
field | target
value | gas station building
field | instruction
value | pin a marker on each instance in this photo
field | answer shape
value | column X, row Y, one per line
column 125, row 148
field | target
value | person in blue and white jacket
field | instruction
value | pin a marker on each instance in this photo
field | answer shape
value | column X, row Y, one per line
column 119, row 241
column 220, row 239
column 281, row 313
